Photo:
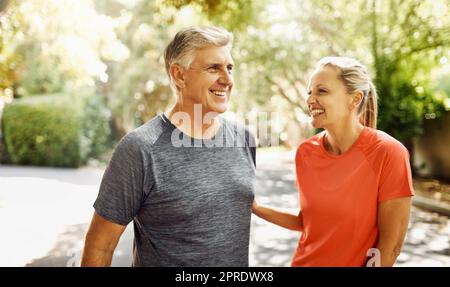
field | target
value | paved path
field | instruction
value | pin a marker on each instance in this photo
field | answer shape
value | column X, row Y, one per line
column 44, row 214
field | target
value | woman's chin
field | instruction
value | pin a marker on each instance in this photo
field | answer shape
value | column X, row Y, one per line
column 316, row 124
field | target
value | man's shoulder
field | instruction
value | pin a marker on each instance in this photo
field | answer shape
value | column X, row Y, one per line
column 150, row 131
column 146, row 135
column 237, row 125
column 240, row 130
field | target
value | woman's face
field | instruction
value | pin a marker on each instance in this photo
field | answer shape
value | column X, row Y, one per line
column 328, row 102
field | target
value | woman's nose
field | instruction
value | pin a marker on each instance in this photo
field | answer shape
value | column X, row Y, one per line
column 310, row 99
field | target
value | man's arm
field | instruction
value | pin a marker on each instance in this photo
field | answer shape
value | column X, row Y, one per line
column 101, row 241
column 393, row 218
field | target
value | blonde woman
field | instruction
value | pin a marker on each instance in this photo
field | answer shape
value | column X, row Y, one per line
column 354, row 181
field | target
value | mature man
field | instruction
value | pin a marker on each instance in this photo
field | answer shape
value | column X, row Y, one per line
column 185, row 178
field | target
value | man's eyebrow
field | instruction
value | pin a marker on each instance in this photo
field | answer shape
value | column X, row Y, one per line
column 218, row 64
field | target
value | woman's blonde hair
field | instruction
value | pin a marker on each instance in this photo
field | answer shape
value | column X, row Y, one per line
column 355, row 77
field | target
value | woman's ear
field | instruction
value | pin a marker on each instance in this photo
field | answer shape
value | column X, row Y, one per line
column 357, row 99
column 177, row 73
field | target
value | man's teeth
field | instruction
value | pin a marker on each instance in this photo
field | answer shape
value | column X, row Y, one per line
column 219, row 93
column 316, row 112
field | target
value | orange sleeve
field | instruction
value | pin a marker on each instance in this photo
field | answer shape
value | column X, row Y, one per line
column 396, row 179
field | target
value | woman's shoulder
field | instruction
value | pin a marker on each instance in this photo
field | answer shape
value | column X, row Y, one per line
column 310, row 143
column 384, row 142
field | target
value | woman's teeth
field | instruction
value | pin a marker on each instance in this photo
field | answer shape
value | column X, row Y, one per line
column 316, row 112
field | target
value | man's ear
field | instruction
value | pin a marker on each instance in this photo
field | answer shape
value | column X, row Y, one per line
column 177, row 73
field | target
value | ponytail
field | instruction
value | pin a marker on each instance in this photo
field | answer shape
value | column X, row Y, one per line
column 368, row 115
column 355, row 77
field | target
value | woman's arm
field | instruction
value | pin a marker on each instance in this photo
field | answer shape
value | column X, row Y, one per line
column 281, row 218
column 393, row 218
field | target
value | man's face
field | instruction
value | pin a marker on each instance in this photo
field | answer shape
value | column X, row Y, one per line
column 209, row 80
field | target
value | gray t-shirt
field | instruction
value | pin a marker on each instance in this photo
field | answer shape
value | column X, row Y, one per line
column 191, row 205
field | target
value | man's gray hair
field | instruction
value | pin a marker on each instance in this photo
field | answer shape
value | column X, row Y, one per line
column 181, row 50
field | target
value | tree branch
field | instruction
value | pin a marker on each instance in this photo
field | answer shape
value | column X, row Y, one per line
column 284, row 95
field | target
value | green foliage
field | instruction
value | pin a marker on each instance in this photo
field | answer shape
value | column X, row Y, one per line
column 234, row 15
column 403, row 60
column 273, row 65
column 56, row 130
column 10, row 37
column 406, row 100
column 139, row 87
column 117, row 46
column 40, row 76
column 402, row 42
column 96, row 126
column 43, row 130
column 52, row 46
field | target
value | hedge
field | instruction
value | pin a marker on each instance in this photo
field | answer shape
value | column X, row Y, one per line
column 55, row 130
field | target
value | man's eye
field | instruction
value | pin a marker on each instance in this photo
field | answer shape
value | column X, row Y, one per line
column 213, row 69
column 230, row 70
column 321, row 91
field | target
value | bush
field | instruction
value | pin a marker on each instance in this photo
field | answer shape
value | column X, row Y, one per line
column 96, row 128
column 56, row 130
column 43, row 130
column 3, row 154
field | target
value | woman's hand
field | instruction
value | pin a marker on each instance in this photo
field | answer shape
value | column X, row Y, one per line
column 254, row 206
column 281, row 218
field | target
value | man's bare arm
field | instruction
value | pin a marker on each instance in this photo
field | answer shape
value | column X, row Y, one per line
column 101, row 241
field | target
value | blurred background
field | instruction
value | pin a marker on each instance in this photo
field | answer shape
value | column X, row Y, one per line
column 77, row 75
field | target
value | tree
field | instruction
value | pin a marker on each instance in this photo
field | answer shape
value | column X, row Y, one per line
column 400, row 41
column 138, row 88
column 10, row 38
column 234, row 15
column 275, row 58
column 59, row 45
column 408, row 38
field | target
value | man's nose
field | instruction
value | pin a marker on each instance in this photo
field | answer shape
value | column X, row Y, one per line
column 226, row 78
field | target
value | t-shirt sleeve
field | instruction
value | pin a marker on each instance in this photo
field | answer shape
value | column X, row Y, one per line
column 251, row 143
column 396, row 179
column 122, row 188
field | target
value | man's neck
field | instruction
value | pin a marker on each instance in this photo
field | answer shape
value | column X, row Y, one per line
column 340, row 138
column 195, row 122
